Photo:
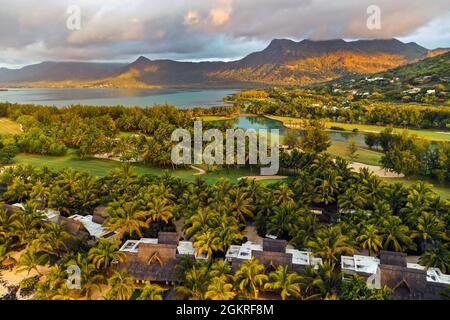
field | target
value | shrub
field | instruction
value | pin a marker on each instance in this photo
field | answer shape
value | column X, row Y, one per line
column 28, row 283
column 337, row 128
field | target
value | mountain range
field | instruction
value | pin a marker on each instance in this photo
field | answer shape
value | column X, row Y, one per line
column 283, row 62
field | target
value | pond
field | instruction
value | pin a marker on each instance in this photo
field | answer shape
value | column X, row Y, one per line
column 260, row 122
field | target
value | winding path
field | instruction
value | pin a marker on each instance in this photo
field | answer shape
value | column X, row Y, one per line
column 200, row 172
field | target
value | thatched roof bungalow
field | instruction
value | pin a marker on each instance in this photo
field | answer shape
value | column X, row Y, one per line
column 408, row 281
column 155, row 260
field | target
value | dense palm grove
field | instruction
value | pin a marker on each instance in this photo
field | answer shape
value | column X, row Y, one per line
column 365, row 214
column 360, row 212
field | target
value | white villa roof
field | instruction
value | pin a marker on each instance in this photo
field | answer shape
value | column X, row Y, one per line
column 244, row 252
column 370, row 265
column 95, row 230
column 51, row 215
column 184, row 247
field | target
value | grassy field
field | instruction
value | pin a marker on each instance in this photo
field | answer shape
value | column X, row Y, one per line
column 9, row 126
column 99, row 167
column 96, row 167
column 367, row 128
column 366, row 156
column 212, row 118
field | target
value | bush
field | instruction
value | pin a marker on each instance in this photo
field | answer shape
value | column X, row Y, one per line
column 355, row 130
column 28, row 283
column 337, row 128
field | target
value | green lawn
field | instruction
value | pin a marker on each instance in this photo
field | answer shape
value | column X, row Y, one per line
column 367, row 128
column 9, row 126
column 99, row 167
column 96, row 167
column 366, row 156
column 212, row 118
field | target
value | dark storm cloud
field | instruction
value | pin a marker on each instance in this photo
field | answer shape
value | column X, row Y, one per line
column 200, row 29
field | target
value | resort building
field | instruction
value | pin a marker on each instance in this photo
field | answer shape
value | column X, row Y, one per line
column 155, row 259
column 94, row 229
column 272, row 253
column 408, row 281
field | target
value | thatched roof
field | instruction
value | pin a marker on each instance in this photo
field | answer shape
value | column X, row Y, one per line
column 9, row 208
column 100, row 214
column 8, row 262
column 156, row 272
column 75, row 228
column 168, row 238
column 153, row 262
column 271, row 245
column 393, row 258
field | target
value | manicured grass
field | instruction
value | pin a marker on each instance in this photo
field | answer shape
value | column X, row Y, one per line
column 367, row 128
column 96, row 167
column 443, row 191
column 212, row 118
column 9, row 126
column 366, row 156
column 100, row 167
column 234, row 174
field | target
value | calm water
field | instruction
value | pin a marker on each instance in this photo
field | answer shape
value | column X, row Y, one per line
column 265, row 123
column 182, row 98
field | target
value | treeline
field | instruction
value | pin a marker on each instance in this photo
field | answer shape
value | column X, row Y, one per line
column 94, row 130
column 411, row 155
column 323, row 103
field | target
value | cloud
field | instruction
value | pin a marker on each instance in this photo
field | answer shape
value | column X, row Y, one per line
column 198, row 30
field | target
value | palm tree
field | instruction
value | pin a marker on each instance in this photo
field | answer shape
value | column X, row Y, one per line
column 7, row 224
column 353, row 198
column 437, row 256
column 40, row 192
column 284, row 219
column 126, row 218
column 241, row 204
column 105, row 253
column 196, row 282
column 396, row 235
column 283, row 194
column 220, row 289
column 288, row 284
column 27, row 224
column 52, row 240
column 122, row 286
column 30, row 260
column 326, row 189
column 305, row 230
column 208, row 242
column 370, row 239
column 250, row 278
column 151, row 292
column 220, row 268
column 330, row 280
column 228, row 232
column 18, row 191
column 159, row 209
column 330, row 243
column 429, row 228
column 91, row 279
column 201, row 221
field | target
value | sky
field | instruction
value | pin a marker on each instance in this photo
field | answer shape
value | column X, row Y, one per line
column 197, row 30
